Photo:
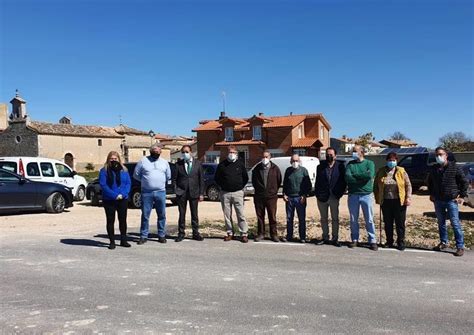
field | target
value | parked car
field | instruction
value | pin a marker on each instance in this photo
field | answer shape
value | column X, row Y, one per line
column 212, row 189
column 94, row 191
column 417, row 167
column 46, row 170
column 468, row 169
column 310, row 163
column 18, row 193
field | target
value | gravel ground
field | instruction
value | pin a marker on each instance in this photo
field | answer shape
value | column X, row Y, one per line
column 86, row 219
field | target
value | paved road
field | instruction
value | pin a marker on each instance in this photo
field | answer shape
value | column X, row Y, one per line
column 61, row 284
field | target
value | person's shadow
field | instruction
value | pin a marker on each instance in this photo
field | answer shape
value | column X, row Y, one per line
column 83, row 242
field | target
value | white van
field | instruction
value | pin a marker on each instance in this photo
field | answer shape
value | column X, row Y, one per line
column 46, row 170
column 310, row 163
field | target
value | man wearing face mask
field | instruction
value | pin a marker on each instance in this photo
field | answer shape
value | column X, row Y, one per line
column 296, row 187
column 153, row 172
column 447, row 186
column 360, row 175
column 231, row 177
column 189, row 188
column 266, row 179
column 329, row 188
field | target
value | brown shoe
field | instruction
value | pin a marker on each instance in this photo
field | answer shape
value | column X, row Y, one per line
column 228, row 238
column 352, row 244
column 244, row 239
column 459, row 252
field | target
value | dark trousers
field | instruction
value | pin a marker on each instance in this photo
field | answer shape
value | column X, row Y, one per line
column 193, row 206
column 119, row 206
column 392, row 212
column 269, row 204
column 292, row 204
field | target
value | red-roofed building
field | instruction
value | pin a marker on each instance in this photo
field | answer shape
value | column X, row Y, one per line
column 305, row 134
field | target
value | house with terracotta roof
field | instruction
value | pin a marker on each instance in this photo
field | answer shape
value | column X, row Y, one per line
column 76, row 145
column 305, row 134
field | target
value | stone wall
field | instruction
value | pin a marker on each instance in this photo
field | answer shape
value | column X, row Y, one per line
column 84, row 149
column 18, row 140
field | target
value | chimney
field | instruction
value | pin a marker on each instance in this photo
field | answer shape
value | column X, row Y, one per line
column 291, row 113
column 65, row 120
column 3, row 117
column 222, row 116
column 260, row 114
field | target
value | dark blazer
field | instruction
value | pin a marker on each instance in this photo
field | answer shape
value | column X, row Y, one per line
column 337, row 186
column 194, row 182
column 273, row 181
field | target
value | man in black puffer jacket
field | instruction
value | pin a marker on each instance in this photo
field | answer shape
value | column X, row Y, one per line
column 447, row 185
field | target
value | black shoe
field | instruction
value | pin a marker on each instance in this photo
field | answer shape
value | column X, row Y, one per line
column 401, row 246
column 259, row 238
column 440, row 247
column 283, row 239
column 336, row 243
column 352, row 244
column 319, row 242
column 162, row 239
column 142, row 241
column 198, row 237
column 388, row 245
column 373, row 246
column 303, row 241
column 112, row 246
column 179, row 238
column 274, row 239
column 125, row 244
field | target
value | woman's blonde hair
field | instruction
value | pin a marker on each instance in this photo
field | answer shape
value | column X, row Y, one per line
column 107, row 161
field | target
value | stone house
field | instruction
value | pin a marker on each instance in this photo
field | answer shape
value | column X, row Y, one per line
column 305, row 134
column 76, row 145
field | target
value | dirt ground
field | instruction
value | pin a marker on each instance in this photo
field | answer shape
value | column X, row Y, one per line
column 86, row 220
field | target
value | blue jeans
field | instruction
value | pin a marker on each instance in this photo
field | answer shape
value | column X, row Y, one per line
column 445, row 209
column 292, row 204
column 150, row 200
column 355, row 202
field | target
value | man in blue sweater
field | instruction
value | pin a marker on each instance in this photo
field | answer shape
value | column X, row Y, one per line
column 153, row 172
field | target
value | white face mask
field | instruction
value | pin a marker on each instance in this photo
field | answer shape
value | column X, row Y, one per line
column 186, row 156
column 355, row 155
column 440, row 159
column 265, row 161
column 295, row 165
column 232, row 157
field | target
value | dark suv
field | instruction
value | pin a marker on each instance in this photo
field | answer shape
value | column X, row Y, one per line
column 94, row 192
column 212, row 190
column 417, row 167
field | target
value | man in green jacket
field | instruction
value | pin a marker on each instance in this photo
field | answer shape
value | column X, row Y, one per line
column 360, row 175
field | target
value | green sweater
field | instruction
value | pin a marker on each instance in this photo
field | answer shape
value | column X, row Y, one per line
column 360, row 176
column 296, row 182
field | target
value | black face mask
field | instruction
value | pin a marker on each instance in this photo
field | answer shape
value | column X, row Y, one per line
column 330, row 159
column 115, row 166
column 155, row 155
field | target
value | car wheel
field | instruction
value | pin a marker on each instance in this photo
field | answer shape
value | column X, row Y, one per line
column 213, row 193
column 94, row 198
column 55, row 203
column 80, row 194
column 136, row 199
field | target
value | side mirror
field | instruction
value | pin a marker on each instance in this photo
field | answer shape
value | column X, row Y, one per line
column 74, row 173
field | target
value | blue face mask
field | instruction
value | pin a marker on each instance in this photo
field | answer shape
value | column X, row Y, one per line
column 355, row 155
column 391, row 164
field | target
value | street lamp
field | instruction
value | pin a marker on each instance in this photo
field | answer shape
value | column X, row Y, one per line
column 151, row 133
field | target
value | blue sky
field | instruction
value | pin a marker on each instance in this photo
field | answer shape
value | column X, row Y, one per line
column 377, row 66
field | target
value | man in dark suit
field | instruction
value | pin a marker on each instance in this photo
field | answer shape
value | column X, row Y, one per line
column 329, row 188
column 189, row 188
column 266, row 179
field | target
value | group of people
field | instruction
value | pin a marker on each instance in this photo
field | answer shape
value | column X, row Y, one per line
column 390, row 186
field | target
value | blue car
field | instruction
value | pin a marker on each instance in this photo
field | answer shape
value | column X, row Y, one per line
column 20, row 194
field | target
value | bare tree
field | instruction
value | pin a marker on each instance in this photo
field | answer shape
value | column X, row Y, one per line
column 365, row 140
column 399, row 136
column 455, row 141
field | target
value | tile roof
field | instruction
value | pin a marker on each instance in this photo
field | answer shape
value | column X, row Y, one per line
column 271, row 122
column 72, row 130
column 241, row 142
column 399, row 142
column 307, row 142
column 125, row 130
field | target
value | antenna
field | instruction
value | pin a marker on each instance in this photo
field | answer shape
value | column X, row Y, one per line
column 120, row 118
column 223, row 100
